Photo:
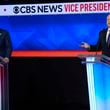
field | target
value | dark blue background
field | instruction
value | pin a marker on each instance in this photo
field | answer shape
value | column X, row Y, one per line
column 53, row 32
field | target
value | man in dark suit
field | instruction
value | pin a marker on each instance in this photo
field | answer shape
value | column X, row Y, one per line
column 5, row 46
column 103, row 43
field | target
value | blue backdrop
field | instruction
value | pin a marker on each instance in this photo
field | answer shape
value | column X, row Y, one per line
column 53, row 32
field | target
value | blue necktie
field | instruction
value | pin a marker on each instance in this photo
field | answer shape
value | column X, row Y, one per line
column 108, row 41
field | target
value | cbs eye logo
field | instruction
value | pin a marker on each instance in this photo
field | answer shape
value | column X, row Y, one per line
column 16, row 10
column 24, row 9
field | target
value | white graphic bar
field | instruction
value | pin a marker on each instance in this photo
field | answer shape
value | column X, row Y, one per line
column 55, row 8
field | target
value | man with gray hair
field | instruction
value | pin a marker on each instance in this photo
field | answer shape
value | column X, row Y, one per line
column 103, row 43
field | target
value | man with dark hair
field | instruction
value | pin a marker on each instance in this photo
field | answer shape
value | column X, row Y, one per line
column 103, row 43
column 5, row 46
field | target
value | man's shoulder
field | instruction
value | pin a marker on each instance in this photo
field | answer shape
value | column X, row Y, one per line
column 104, row 30
column 3, row 31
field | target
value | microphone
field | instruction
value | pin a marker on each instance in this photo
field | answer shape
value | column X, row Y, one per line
column 98, row 46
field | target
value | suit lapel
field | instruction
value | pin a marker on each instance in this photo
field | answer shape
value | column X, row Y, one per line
column 104, row 38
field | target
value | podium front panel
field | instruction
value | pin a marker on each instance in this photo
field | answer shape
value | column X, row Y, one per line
column 4, row 90
column 98, row 75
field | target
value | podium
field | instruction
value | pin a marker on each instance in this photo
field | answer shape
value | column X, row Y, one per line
column 4, row 90
column 98, row 79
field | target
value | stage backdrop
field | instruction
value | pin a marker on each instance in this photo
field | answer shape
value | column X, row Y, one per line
column 59, row 26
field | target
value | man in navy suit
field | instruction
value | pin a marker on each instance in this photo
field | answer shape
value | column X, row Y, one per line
column 103, row 43
column 5, row 46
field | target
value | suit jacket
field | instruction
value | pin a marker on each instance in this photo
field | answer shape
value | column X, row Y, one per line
column 5, row 44
column 101, row 44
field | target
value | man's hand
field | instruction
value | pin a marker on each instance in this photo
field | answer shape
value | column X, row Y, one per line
column 5, row 60
column 85, row 45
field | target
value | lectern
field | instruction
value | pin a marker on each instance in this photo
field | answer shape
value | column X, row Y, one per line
column 4, row 90
column 98, row 78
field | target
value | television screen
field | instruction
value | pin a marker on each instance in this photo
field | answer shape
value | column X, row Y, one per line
column 59, row 26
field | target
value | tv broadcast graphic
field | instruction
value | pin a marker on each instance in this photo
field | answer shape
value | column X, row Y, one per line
column 59, row 55
column 55, row 26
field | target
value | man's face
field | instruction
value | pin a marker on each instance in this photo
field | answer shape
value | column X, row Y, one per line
column 108, row 21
